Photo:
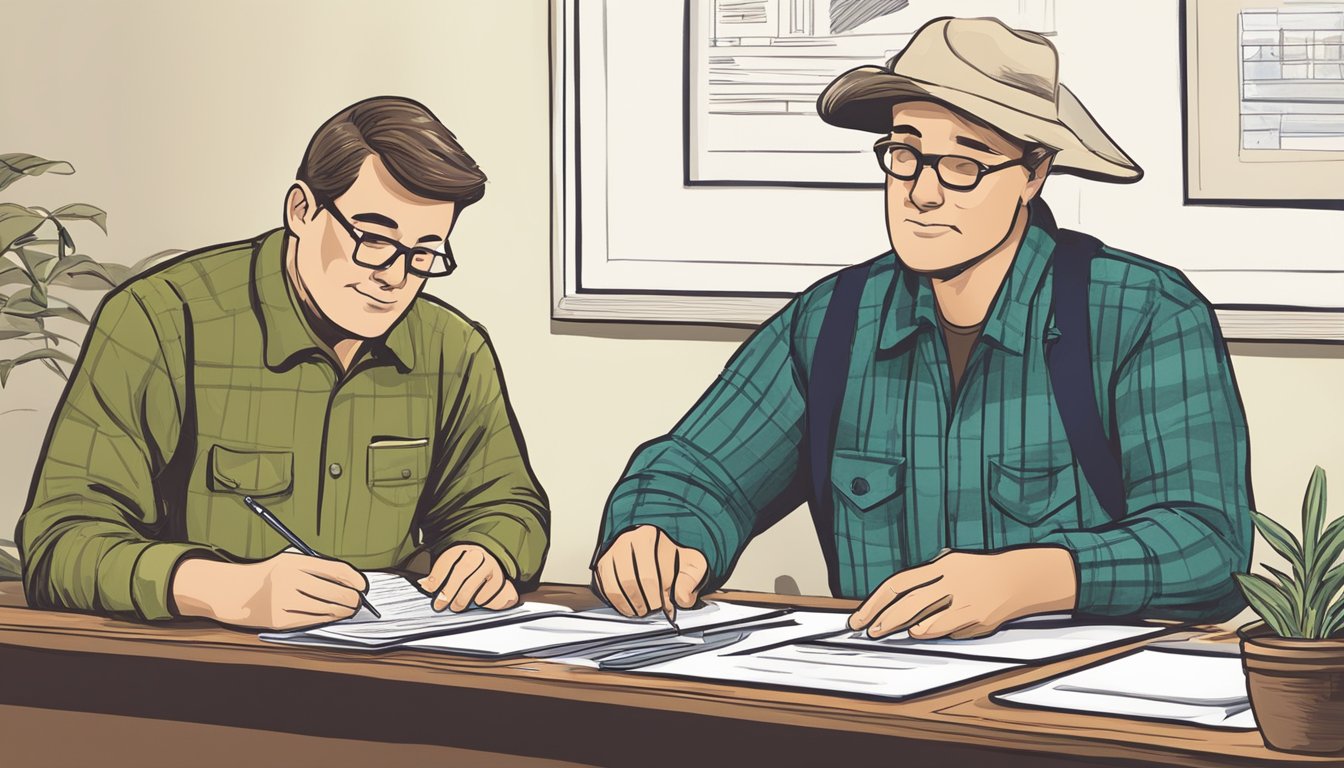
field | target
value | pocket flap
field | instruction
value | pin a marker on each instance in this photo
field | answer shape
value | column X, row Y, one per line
column 867, row 479
column 250, row 473
column 398, row 461
column 1030, row 494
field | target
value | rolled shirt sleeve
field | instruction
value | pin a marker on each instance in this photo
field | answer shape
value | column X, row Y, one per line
column 89, row 536
column 1185, row 458
column 729, row 464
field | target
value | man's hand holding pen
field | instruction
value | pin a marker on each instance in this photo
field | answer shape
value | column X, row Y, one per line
column 288, row 591
column 645, row 571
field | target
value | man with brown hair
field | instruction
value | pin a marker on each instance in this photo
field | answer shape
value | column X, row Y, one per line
column 305, row 369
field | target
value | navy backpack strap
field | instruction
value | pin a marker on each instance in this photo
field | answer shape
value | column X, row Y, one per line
column 1070, row 363
column 825, row 392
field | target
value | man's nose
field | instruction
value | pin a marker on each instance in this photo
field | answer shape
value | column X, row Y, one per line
column 394, row 275
column 926, row 191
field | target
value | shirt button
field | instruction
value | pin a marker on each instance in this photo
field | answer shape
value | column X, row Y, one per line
column 334, row 469
column 405, row 473
column 859, row 486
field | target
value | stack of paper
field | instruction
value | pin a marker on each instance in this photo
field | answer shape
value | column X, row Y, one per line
column 528, row 629
column 822, row 654
column 1034, row 639
column 1194, row 688
column 580, row 632
column 407, row 614
column 878, row 674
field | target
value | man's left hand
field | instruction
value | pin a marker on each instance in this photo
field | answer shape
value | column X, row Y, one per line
column 467, row 574
column 964, row 595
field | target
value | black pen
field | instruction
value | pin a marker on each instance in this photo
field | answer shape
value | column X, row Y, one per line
column 670, row 610
column 274, row 522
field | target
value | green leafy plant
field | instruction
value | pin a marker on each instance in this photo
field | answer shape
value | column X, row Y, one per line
column 38, row 262
column 1306, row 604
column 9, row 566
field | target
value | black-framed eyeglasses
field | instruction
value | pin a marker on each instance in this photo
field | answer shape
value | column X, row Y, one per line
column 378, row 252
column 904, row 162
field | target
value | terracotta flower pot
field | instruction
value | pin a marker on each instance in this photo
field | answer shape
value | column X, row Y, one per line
column 1296, row 689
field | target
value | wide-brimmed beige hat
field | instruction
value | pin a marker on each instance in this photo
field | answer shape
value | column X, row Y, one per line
column 1004, row 77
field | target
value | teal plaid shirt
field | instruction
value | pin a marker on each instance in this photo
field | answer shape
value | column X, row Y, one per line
column 914, row 471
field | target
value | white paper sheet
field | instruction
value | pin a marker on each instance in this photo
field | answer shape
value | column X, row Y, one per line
column 1207, row 690
column 579, row 632
column 1033, row 640
column 828, row 669
column 407, row 614
column 796, row 626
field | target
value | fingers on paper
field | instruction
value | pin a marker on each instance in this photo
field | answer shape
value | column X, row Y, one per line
column 890, row 592
column 464, row 568
column 915, row 606
column 443, row 565
column 506, row 597
column 690, row 577
column 609, row 587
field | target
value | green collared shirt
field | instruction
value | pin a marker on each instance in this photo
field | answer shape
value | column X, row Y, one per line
column 916, row 470
column 203, row 382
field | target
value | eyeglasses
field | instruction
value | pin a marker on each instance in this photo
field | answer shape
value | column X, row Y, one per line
column 378, row 252
column 904, row 162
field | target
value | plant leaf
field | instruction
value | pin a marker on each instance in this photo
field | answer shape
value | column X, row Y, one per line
column 1332, row 545
column 70, row 262
column 10, row 569
column 7, row 366
column 13, row 274
column 1281, row 540
column 1313, row 516
column 16, row 223
column 1293, row 588
column 82, row 212
column 22, row 304
column 13, row 326
column 152, row 259
column 65, row 312
column 1334, row 619
column 1269, row 602
column 1320, row 594
column 1328, row 588
column 15, row 166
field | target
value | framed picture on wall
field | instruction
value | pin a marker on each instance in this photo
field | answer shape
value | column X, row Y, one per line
column 1263, row 88
column 693, row 181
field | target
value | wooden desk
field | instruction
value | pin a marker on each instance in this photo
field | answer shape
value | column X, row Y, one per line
column 78, row 689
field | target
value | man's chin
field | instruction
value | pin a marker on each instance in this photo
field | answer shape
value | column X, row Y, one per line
column 924, row 265
column 362, row 329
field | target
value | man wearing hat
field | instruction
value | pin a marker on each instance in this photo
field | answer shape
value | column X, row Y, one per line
column 998, row 418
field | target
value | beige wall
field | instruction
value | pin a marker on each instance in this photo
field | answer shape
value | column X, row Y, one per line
column 186, row 122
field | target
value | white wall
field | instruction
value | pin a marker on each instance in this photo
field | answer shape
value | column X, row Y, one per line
column 187, row 121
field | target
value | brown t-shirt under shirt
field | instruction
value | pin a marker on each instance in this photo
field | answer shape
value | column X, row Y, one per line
column 960, row 341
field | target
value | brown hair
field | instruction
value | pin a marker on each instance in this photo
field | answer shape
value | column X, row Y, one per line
column 420, row 153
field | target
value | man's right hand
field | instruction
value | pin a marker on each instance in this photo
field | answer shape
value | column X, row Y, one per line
column 288, row 591
column 644, row 571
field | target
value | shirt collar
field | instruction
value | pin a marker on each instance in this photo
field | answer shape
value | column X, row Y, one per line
column 912, row 304
column 286, row 333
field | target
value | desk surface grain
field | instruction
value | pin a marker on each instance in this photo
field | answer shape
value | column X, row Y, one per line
column 201, row 673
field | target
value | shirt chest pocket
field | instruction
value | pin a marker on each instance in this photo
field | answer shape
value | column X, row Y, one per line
column 250, row 473
column 867, row 480
column 1031, row 492
column 397, row 469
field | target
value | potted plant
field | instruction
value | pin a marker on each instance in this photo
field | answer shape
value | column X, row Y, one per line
column 38, row 262
column 39, row 265
column 1294, row 656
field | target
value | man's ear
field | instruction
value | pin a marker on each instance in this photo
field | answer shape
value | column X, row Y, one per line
column 300, row 208
column 1036, row 180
